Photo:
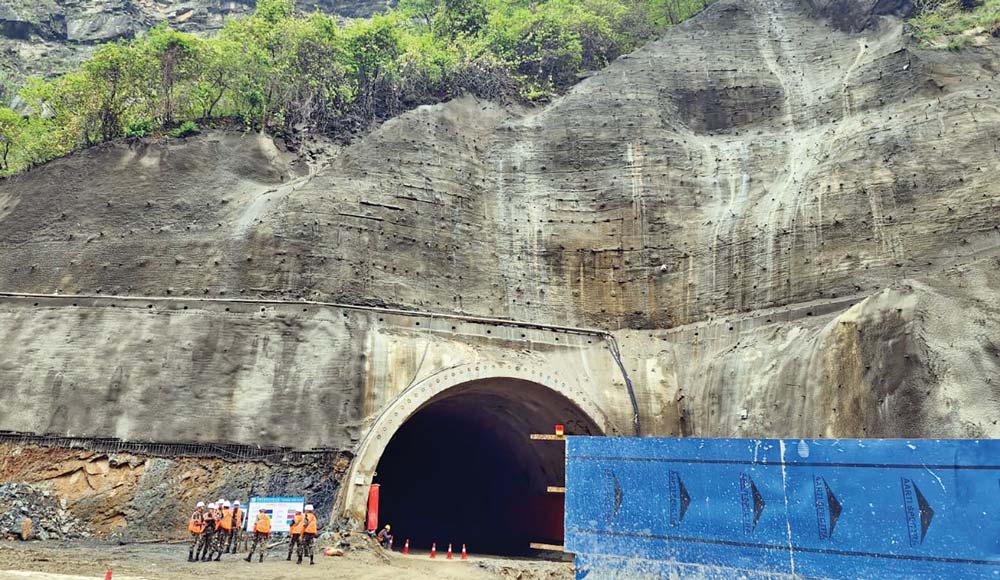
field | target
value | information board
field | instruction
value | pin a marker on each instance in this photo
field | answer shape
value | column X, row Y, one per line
column 279, row 509
column 639, row 507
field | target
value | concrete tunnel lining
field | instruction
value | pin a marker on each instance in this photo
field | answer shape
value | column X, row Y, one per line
column 461, row 468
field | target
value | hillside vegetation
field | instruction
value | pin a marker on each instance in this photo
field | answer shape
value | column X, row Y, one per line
column 279, row 71
column 955, row 23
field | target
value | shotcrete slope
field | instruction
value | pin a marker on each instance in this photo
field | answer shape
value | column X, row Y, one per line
column 754, row 157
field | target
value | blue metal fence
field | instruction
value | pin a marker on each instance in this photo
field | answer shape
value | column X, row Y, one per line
column 707, row 508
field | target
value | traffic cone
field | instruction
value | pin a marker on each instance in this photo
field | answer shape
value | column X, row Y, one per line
column 449, row 551
column 108, row 575
column 465, row 555
column 406, row 547
column 434, row 550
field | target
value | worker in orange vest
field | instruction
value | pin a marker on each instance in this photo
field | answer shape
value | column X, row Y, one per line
column 261, row 535
column 310, row 528
column 234, row 537
column 224, row 529
column 210, row 517
column 295, row 535
column 196, row 525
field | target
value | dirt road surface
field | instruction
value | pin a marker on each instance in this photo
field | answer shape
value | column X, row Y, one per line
column 91, row 560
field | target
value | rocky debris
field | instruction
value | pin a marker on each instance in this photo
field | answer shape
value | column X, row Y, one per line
column 23, row 20
column 527, row 570
column 105, row 21
column 27, row 512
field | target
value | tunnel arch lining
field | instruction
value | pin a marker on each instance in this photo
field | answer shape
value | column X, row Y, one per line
column 353, row 505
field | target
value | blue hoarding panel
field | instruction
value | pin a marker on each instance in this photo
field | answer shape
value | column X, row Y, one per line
column 774, row 508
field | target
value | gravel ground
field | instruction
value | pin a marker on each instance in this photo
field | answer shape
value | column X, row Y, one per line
column 91, row 559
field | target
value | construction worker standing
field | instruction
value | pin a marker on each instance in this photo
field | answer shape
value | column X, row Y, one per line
column 309, row 531
column 196, row 525
column 234, row 537
column 208, row 535
column 295, row 536
column 261, row 535
column 225, row 530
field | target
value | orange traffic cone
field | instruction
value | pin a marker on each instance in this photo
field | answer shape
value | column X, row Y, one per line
column 434, row 550
column 449, row 551
column 406, row 546
column 465, row 555
column 108, row 575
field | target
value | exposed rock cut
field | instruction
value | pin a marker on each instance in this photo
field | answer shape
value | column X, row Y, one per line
column 65, row 491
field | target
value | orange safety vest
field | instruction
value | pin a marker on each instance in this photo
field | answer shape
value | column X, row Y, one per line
column 297, row 526
column 310, row 524
column 196, row 524
column 209, row 518
column 238, row 518
column 227, row 519
column 263, row 524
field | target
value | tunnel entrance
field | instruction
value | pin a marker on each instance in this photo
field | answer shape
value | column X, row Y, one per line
column 463, row 470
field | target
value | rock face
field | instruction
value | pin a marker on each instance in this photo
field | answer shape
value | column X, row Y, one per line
column 63, row 491
column 27, row 512
column 792, row 230
column 48, row 37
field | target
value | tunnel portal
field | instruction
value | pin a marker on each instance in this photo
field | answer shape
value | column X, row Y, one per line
column 463, row 470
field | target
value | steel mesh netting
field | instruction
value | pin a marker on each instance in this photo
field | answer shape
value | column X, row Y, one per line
column 273, row 455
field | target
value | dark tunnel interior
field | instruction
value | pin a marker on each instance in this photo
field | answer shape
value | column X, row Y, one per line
column 463, row 470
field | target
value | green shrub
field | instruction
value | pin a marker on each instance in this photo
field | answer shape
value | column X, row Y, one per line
column 185, row 129
column 140, row 129
column 950, row 23
column 275, row 71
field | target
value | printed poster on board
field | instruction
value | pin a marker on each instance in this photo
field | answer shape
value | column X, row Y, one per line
column 281, row 510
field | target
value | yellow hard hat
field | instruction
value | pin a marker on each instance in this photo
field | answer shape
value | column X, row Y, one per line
column 388, row 527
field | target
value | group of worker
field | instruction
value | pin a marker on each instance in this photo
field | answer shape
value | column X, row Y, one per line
column 215, row 528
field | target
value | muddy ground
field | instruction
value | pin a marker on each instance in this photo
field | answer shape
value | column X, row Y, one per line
column 91, row 559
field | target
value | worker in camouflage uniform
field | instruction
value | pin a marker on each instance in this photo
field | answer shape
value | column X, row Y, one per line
column 310, row 528
column 196, row 525
column 210, row 517
column 295, row 535
column 223, row 530
column 261, row 535
column 234, row 535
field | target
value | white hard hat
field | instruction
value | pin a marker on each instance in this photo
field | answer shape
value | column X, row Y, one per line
column 201, row 504
column 211, row 506
column 226, row 504
column 220, row 502
column 309, row 507
column 237, row 502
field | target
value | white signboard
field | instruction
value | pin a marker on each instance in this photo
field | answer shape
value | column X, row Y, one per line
column 280, row 509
